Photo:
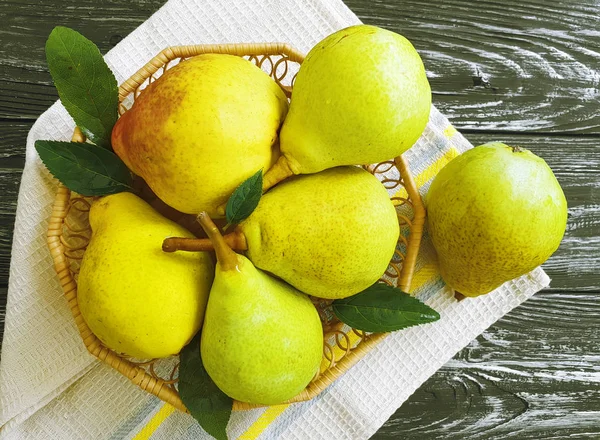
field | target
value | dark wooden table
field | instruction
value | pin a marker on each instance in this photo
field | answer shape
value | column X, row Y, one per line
column 524, row 72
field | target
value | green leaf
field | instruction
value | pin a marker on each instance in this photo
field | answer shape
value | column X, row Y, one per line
column 382, row 308
column 85, row 84
column 85, row 168
column 207, row 403
column 244, row 199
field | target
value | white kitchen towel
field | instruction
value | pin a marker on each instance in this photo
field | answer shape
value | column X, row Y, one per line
column 51, row 388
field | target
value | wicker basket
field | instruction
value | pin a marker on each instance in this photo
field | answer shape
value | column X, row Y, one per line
column 69, row 233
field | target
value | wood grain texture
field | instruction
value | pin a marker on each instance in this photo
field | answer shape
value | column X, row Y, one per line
column 26, row 88
column 497, row 65
column 492, row 66
column 3, row 298
column 12, row 143
column 12, row 160
column 496, row 68
column 9, row 187
column 533, row 375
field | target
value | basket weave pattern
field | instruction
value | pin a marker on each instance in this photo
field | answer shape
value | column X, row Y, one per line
column 69, row 234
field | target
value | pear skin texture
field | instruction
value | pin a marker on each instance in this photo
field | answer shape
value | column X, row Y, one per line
column 331, row 234
column 494, row 214
column 201, row 129
column 361, row 96
column 262, row 340
column 137, row 299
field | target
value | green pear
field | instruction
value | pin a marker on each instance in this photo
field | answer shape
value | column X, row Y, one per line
column 361, row 96
column 262, row 340
column 330, row 234
column 201, row 129
column 135, row 298
column 495, row 213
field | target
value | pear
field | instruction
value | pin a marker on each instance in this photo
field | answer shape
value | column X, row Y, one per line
column 201, row 129
column 331, row 234
column 361, row 96
column 262, row 340
column 495, row 213
column 136, row 299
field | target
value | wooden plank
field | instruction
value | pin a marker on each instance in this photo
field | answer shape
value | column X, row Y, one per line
column 28, row 23
column 26, row 88
column 503, row 65
column 25, row 93
column 12, row 160
column 493, row 65
column 575, row 161
column 3, row 298
column 533, row 375
column 12, row 143
column 9, row 187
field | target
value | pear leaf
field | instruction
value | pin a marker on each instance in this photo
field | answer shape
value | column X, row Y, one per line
column 86, row 169
column 382, row 308
column 210, row 406
column 85, row 84
column 244, row 199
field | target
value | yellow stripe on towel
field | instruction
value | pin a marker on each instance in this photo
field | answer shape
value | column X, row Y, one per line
column 155, row 422
column 424, row 275
column 265, row 419
column 450, row 131
column 430, row 172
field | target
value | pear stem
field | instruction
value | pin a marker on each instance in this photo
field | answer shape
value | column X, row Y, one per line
column 459, row 296
column 517, row 149
column 226, row 258
column 236, row 240
column 281, row 170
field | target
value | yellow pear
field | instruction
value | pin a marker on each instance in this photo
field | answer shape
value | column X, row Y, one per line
column 201, row 129
column 331, row 234
column 495, row 213
column 135, row 298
